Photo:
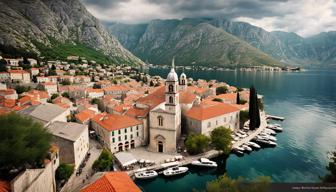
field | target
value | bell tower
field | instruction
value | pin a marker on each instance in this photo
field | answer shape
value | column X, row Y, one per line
column 172, row 91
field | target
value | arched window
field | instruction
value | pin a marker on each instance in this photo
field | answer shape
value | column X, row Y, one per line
column 171, row 99
column 170, row 88
column 183, row 82
column 160, row 120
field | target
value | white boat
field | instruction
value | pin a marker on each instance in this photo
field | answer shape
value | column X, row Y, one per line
column 238, row 152
column 270, row 131
column 253, row 144
column 279, row 129
column 270, row 138
column 267, row 142
column 146, row 174
column 241, row 132
column 175, row 171
column 204, row 162
column 246, row 148
column 239, row 148
column 243, row 135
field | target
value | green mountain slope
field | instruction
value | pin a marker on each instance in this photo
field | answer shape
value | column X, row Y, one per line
column 192, row 43
column 58, row 24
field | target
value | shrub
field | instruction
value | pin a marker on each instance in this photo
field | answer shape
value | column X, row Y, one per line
column 104, row 161
column 64, row 171
column 221, row 138
column 196, row 143
column 221, row 90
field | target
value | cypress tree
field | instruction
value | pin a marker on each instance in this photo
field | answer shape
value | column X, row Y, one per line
column 238, row 99
column 253, row 109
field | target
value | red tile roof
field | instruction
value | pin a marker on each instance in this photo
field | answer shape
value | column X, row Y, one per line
column 155, row 98
column 113, row 122
column 112, row 182
column 17, row 71
column 210, row 109
column 137, row 112
column 4, row 186
column 85, row 115
column 187, row 97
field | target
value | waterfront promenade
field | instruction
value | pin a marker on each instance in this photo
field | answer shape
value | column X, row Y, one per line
column 158, row 158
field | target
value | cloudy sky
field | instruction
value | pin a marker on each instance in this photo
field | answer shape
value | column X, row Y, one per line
column 305, row 17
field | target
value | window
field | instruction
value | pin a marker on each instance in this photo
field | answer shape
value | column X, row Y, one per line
column 171, row 99
column 126, row 130
column 119, row 138
column 170, row 88
column 160, row 120
column 112, row 133
column 131, row 136
column 137, row 134
column 209, row 124
column 119, row 131
column 137, row 128
column 125, row 137
column 183, row 82
column 216, row 122
column 113, row 140
column 131, row 129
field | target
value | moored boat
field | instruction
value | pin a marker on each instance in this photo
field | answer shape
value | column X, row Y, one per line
column 204, row 162
column 253, row 144
column 175, row 171
column 146, row 174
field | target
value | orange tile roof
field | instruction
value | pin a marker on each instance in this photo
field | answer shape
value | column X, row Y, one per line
column 116, row 88
column 121, row 108
column 38, row 93
column 210, row 109
column 85, row 115
column 17, row 71
column 9, row 103
column 155, row 98
column 232, row 97
column 112, row 182
column 7, row 91
column 187, row 97
column 198, row 90
column 91, row 90
column 137, row 112
column 4, row 186
column 48, row 83
column 113, row 122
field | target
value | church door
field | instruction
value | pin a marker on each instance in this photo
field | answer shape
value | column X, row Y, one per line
column 160, row 147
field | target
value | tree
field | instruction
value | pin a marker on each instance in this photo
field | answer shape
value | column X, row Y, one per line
column 53, row 67
column 238, row 98
column 95, row 101
column 221, row 90
column 104, row 161
column 23, row 143
column 151, row 83
column 221, row 138
column 64, row 171
column 218, row 99
column 20, row 89
column 254, row 114
column 54, row 96
column 66, row 82
column 243, row 116
column 196, row 143
column 331, row 167
column 3, row 64
column 225, row 183
column 66, row 94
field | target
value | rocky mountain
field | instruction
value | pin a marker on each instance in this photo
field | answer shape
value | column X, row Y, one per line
column 191, row 41
column 60, row 26
column 289, row 48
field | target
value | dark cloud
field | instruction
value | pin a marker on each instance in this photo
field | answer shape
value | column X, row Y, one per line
column 288, row 15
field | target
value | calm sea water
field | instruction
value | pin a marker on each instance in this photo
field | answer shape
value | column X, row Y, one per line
column 308, row 102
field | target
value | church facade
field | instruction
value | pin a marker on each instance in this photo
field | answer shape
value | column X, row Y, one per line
column 165, row 119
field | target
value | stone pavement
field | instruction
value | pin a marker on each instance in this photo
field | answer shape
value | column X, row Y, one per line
column 75, row 183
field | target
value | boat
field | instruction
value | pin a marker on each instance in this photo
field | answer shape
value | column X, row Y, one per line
column 204, row 162
column 237, row 152
column 270, row 131
column 146, row 174
column 275, row 117
column 266, row 142
column 241, row 132
column 239, row 148
column 253, row 144
column 271, row 138
column 279, row 129
column 246, row 148
column 175, row 171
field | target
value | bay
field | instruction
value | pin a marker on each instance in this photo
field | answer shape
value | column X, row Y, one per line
column 306, row 99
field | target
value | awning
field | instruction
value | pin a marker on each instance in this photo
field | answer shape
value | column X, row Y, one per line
column 125, row 158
